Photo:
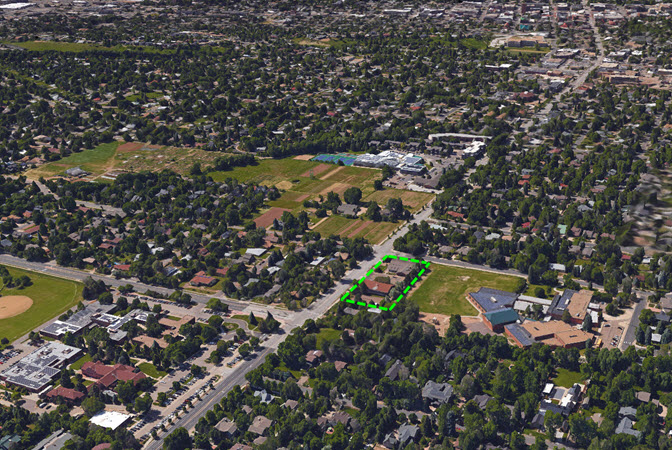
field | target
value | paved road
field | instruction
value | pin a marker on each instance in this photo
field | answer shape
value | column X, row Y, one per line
column 467, row 265
column 51, row 268
column 628, row 338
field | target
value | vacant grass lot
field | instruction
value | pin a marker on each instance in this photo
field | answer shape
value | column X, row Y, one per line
column 444, row 290
column 567, row 378
column 293, row 177
column 327, row 334
column 51, row 297
column 413, row 200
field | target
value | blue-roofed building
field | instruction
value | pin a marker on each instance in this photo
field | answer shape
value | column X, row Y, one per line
column 489, row 300
column 519, row 335
column 495, row 320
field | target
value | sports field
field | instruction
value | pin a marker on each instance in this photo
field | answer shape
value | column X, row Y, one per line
column 51, row 297
column 444, row 290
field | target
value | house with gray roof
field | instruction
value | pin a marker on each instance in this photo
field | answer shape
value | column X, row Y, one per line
column 437, row 393
column 348, row 210
column 625, row 426
column 408, row 433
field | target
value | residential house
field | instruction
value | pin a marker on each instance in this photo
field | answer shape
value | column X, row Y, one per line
column 348, row 210
column 377, row 288
column 397, row 371
column 437, row 393
column 260, row 425
column 228, row 428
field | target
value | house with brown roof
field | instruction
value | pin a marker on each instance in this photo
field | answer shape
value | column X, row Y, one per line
column 202, row 279
column 377, row 288
column 314, row 357
column 260, row 425
column 227, row 427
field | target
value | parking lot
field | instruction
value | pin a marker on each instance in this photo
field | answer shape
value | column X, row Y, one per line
column 191, row 391
column 612, row 331
column 8, row 355
column 179, row 400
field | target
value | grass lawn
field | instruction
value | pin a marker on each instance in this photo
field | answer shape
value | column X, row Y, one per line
column 174, row 318
column 246, row 318
column 76, row 47
column 377, row 232
column 444, row 289
column 43, row 46
column 531, row 288
column 268, row 172
column 51, row 297
column 541, row 50
column 132, row 157
column 293, row 177
column 295, row 373
column 567, row 378
column 327, row 334
column 150, row 370
column 148, row 95
column 93, row 160
column 77, row 365
column 334, row 225
column 474, row 43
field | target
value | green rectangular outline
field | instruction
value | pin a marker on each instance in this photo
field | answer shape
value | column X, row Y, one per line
column 345, row 298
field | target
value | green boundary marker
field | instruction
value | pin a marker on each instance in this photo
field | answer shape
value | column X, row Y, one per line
column 345, row 297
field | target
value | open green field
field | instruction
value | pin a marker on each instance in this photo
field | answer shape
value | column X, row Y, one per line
column 269, row 172
column 148, row 95
column 444, row 290
column 540, row 51
column 51, row 296
column 131, row 157
column 45, row 46
column 78, row 47
column 92, row 160
column 567, row 378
